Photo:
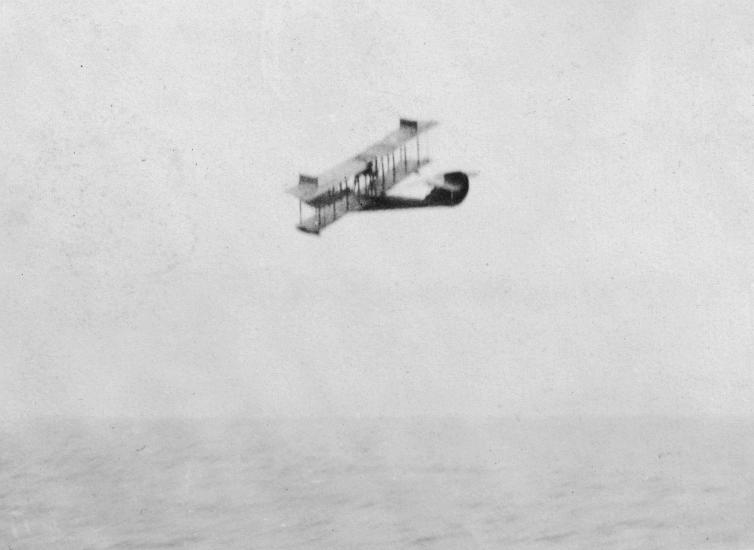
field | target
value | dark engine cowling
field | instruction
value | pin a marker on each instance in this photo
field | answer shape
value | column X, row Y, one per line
column 453, row 192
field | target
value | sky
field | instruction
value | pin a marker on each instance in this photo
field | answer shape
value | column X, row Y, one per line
column 603, row 262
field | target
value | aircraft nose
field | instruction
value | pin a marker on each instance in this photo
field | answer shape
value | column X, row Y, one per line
column 460, row 181
column 452, row 192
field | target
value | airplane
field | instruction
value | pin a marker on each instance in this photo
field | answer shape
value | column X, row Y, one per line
column 361, row 183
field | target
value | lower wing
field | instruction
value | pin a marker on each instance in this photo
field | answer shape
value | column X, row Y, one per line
column 448, row 189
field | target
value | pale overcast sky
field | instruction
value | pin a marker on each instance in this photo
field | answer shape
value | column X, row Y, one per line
column 602, row 263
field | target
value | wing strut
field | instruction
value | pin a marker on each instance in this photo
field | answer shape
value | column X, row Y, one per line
column 418, row 157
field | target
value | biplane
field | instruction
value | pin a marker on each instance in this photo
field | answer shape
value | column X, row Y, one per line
column 361, row 183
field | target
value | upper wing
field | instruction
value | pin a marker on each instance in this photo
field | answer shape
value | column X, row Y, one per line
column 313, row 189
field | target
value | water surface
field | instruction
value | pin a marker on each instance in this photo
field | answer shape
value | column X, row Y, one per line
column 378, row 483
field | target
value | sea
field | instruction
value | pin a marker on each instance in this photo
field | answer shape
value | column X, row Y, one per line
column 331, row 483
